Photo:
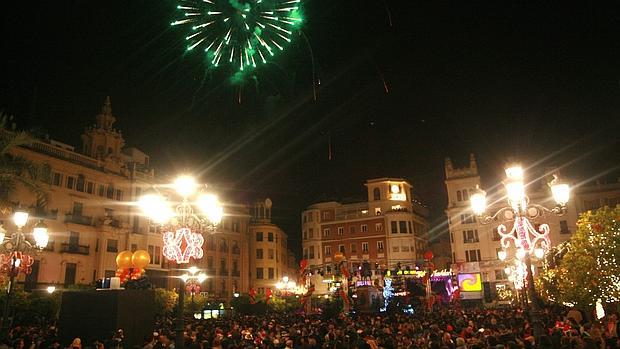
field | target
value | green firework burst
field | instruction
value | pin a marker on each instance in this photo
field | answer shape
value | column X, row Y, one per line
column 239, row 33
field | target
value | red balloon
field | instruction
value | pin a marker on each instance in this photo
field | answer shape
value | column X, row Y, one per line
column 428, row 255
column 303, row 264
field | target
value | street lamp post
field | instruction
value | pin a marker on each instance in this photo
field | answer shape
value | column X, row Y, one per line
column 185, row 278
column 183, row 224
column 527, row 241
column 17, row 254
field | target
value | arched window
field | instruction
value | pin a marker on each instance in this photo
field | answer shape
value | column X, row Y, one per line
column 459, row 196
column 465, row 195
column 376, row 193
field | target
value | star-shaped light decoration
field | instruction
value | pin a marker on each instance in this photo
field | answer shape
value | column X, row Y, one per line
column 182, row 245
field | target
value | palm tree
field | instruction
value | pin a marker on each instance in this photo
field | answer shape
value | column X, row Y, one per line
column 16, row 170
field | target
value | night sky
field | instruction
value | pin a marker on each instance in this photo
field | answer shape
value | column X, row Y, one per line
column 403, row 84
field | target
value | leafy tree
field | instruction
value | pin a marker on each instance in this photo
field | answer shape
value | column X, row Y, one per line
column 16, row 170
column 587, row 267
column 165, row 300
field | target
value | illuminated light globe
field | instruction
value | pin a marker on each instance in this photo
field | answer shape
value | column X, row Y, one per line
column 239, row 33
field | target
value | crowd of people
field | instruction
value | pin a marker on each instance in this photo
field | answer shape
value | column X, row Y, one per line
column 443, row 328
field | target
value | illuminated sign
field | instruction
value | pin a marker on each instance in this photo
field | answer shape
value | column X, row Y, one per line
column 470, row 282
column 398, row 197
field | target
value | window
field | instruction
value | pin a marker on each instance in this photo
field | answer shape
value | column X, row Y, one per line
column 380, row 246
column 57, row 179
column 157, row 255
column 564, row 227
column 110, row 192
column 353, row 248
column 325, row 215
column 496, row 236
column 378, row 226
column 468, row 218
column 341, row 248
column 311, row 252
column 405, row 248
column 340, row 230
column 411, row 228
column 470, row 236
column 497, row 250
column 465, row 195
column 328, row 251
column 151, row 251
column 459, row 197
column 394, row 227
column 310, row 233
column 210, row 262
column 259, row 273
column 305, row 218
column 376, row 194
column 305, row 235
column 305, row 255
column 403, row 227
column 259, row 253
column 70, row 182
column 119, row 195
column 134, row 247
column 235, row 266
column 101, row 190
column 352, row 229
column 259, row 236
column 270, row 237
column 77, row 208
column 451, row 237
column 325, row 232
column 500, row 274
column 223, row 265
column 112, row 245
column 364, row 228
column 395, row 248
column 472, row 255
column 79, row 185
column 271, row 273
column 270, row 253
column 364, row 247
column 90, row 187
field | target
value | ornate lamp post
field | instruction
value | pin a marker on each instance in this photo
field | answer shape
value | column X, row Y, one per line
column 191, row 283
column 17, row 254
column 183, row 224
column 525, row 239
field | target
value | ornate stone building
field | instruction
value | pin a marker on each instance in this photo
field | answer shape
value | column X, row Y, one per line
column 474, row 246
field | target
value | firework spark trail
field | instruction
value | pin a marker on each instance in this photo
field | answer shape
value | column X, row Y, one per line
column 389, row 13
column 247, row 32
column 314, row 94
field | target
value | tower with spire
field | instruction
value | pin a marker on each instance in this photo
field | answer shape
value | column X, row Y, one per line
column 101, row 141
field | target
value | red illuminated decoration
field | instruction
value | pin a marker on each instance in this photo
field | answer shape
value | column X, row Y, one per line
column 22, row 263
column 182, row 245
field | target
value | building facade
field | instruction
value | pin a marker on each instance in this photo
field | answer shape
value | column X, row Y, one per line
column 474, row 246
column 270, row 258
column 387, row 231
column 91, row 216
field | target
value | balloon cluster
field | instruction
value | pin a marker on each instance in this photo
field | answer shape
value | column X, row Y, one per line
column 131, row 265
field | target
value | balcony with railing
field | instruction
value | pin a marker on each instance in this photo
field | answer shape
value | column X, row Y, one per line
column 74, row 248
column 78, row 219
column 64, row 154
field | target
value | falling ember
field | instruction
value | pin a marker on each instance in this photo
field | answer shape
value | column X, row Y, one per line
column 385, row 85
column 244, row 32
